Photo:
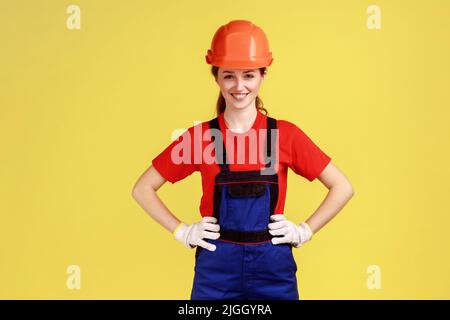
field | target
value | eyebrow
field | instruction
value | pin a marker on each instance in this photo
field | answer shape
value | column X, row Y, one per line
column 246, row 71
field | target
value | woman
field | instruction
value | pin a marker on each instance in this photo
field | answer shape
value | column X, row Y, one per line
column 243, row 242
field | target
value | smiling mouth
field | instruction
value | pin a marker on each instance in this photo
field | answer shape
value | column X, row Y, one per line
column 240, row 95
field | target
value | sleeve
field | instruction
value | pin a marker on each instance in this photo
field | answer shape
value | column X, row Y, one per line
column 307, row 159
column 176, row 161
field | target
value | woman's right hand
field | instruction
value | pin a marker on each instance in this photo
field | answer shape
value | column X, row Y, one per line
column 193, row 235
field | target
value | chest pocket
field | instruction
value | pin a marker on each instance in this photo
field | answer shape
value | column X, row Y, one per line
column 241, row 190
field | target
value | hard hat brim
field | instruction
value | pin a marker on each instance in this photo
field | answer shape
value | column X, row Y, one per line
column 226, row 63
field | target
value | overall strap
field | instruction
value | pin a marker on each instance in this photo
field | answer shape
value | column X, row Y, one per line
column 220, row 150
column 271, row 139
column 219, row 146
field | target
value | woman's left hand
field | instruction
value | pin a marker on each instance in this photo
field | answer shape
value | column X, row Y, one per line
column 288, row 232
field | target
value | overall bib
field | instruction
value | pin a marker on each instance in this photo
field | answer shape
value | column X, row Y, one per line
column 245, row 265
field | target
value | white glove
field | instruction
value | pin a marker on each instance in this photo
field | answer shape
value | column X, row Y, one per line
column 290, row 232
column 194, row 234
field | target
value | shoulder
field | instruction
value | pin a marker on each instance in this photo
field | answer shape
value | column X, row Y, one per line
column 198, row 127
column 195, row 133
column 288, row 128
column 285, row 124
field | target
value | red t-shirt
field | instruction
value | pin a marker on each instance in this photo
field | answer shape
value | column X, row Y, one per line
column 294, row 149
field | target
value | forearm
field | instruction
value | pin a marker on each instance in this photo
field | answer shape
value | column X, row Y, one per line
column 149, row 200
column 334, row 201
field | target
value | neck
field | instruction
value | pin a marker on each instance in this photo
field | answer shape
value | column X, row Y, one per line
column 240, row 120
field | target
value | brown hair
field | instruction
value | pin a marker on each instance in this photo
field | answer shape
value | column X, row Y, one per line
column 220, row 105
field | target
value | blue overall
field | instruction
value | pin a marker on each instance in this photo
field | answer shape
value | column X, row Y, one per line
column 245, row 265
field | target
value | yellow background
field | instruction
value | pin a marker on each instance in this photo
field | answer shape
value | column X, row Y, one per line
column 83, row 113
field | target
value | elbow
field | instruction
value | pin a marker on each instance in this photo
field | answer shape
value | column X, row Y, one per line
column 350, row 191
column 147, row 184
column 139, row 190
column 345, row 188
column 136, row 192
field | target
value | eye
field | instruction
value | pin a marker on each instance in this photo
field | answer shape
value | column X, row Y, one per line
column 251, row 76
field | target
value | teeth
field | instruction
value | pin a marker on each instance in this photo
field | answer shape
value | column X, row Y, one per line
column 239, row 95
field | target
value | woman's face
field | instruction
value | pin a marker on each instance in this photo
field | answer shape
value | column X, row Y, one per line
column 239, row 87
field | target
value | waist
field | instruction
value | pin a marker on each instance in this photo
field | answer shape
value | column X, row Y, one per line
column 245, row 236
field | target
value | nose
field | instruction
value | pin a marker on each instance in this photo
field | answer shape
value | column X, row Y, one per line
column 239, row 84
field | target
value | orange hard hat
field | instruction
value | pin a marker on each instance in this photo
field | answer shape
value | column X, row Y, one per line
column 239, row 44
